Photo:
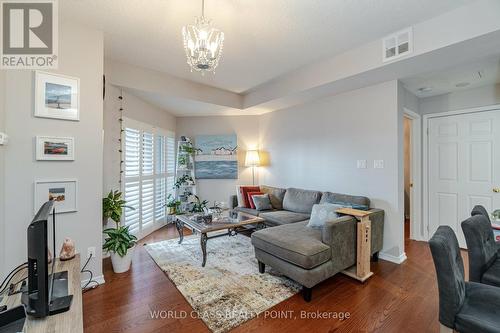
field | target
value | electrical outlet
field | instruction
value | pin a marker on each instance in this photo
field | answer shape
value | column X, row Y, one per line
column 361, row 164
column 91, row 252
column 378, row 164
column 4, row 138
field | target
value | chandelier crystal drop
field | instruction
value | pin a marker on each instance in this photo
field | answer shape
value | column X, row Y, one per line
column 203, row 44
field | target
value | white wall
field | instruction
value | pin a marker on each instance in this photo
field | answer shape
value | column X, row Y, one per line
column 482, row 96
column 247, row 130
column 3, row 269
column 316, row 146
column 80, row 55
column 134, row 108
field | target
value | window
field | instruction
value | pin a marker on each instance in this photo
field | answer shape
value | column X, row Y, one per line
column 148, row 178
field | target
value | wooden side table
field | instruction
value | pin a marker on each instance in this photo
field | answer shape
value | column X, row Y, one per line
column 361, row 271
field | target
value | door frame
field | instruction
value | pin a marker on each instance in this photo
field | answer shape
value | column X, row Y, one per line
column 425, row 128
column 415, row 174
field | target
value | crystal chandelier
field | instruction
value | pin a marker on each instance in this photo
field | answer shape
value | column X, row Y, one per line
column 203, row 44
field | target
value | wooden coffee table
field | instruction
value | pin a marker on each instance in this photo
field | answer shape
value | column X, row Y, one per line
column 232, row 222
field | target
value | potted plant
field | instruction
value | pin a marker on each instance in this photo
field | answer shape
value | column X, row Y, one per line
column 496, row 215
column 184, row 180
column 198, row 205
column 119, row 241
column 183, row 161
column 189, row 149
column 172, row 204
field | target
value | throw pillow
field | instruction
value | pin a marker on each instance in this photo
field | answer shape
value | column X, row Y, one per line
column 244, row 190
column 322, row 213
column 276, row 195
column 262, row 201
column 250, row 198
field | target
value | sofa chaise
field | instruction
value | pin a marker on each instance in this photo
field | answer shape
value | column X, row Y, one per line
column 309, row 255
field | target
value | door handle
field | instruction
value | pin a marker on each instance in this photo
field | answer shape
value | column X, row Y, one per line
column 496, row 189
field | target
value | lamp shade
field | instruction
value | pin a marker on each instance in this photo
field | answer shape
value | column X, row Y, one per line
column 252, row 158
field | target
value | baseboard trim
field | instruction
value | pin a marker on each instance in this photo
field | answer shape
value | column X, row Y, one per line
column 99, row 279
column 391, row 258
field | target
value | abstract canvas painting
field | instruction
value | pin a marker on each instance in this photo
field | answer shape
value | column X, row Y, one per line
column 216, row 157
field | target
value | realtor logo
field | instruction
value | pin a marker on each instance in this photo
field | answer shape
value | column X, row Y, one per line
column 29, row 34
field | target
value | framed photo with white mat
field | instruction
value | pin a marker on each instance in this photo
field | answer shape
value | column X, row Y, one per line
column 63, row 192
column 54, row 148
column 57, row 96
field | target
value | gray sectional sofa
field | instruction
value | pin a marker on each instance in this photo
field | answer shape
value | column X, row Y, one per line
column 306, row 255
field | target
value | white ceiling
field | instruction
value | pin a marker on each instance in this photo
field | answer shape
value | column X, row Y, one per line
column 263, row 39
column 446, row 80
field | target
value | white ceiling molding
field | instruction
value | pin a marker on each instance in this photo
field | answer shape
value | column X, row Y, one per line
column 143, row 79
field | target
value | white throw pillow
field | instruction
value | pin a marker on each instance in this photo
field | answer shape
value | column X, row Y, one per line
column 241, row 202
column 321, row 213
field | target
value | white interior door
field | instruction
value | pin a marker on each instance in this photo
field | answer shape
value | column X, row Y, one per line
column 464, row 167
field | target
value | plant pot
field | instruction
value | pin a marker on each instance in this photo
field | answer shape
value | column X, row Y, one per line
column 171, row 210
column 122, row 264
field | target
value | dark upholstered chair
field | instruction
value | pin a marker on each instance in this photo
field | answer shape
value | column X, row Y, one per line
column 463, row 306
column 484, row 261
column 480, row 210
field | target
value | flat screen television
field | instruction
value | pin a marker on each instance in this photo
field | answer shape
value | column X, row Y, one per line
column 47, row 292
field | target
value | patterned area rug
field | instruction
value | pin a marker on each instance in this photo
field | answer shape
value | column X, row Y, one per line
column 229, row 290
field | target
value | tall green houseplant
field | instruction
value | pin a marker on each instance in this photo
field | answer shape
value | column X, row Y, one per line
column 112, row 207
column 119, row 240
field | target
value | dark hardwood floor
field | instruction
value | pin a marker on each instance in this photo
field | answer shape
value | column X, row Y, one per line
column 398, row 298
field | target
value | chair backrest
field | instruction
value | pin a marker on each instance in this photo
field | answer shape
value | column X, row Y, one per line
column 450, row 274
column 480, row 210
column 481, row 244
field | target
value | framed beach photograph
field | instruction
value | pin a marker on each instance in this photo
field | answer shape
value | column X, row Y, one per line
column 62, row 192
column 57, row 96
column 53, row 148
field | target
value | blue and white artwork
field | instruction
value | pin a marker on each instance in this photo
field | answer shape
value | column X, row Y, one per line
column 216, row 157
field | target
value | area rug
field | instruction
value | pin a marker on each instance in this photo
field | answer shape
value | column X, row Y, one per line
column 229, row 290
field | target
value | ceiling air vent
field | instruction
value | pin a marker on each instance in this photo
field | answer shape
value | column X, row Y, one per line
column 397, row 45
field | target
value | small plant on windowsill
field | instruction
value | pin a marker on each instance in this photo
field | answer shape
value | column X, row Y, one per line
column 119, row 242
column 172, row 205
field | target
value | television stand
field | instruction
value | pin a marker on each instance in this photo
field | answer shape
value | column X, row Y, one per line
column 61, row 301
column 60, row 305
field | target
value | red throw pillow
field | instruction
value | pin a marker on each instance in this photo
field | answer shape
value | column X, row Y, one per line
column 250, row 198
column 244, row 190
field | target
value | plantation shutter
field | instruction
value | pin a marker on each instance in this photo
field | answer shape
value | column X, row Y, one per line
column 170, row 147
column 132, row 152
column 132, row 192
column 132, row 197
column 160, row 169
column 149, row 157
